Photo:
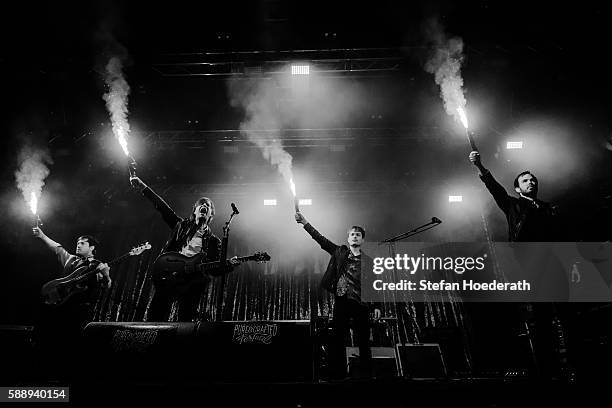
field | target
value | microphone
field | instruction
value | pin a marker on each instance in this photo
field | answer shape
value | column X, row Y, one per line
column 235, row 209
column 436, row 220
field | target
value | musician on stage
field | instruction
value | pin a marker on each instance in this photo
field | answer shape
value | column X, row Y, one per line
column 343, row 279
column 84, row 255
column 59, row 327
column 189, row 236
column 529, row 219
column 532, row 220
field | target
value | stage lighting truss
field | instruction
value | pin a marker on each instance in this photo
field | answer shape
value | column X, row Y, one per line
column 337, row 140
column 326, row 62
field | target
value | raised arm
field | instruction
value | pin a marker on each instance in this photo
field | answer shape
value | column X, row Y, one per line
column 498, row 192
column 325, row 243
column 62, row 255
column 160, row 205
column 38, row 233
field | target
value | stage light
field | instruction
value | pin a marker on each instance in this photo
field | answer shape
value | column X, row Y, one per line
column 514, row 145
column 300, row 69
column 455, row 199
column 305, row 201
column 269, row 202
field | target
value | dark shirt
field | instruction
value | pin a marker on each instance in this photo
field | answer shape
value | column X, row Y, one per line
column 528, row 221
column 349, row 283
column 71, row 263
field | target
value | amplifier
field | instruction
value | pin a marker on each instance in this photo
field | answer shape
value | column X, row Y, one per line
column 384, row 362
column 277, row 350
column 421, row 360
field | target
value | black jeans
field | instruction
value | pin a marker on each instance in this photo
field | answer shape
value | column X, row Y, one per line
column 161, row 304
column 344, row 310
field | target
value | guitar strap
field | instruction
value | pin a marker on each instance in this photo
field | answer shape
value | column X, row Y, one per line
column 204, row 251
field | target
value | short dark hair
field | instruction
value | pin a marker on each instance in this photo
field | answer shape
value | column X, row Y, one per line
column 358, row 228
column 93, row 241
column 516, row 183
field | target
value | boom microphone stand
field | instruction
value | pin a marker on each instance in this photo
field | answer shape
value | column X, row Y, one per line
column 433, row 223
column 391, row 241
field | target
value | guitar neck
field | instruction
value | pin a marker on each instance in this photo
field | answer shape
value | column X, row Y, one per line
column 211, row 265
column 118, row 259
column 245, row 258
column 110, row 263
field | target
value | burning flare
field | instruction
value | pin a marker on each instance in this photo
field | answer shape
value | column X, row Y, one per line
column 468, row 134
column 117, row 100
column 296, row 202
column 262, row 122
column 444, row 62
column 122, row 140
column 34, row 162
column 463, row 117
column 33, row 203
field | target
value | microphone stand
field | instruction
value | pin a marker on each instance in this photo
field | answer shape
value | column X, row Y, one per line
column 433, row 223
column 223, row 260
column 391, row 241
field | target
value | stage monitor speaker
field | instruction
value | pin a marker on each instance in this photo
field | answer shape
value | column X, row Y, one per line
column 421, row 360
column 17, row 352
column 138, row 350
column 384, row 362
column 280, row 350
column 223, row 351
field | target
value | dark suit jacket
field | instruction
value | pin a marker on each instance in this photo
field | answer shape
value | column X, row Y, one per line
column 337, row 263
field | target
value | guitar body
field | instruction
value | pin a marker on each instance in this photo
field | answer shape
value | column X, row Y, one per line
column 58, row 291
column 177, row 272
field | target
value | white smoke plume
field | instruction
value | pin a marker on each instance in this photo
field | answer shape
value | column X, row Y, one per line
column 445, row 63
column 117, row 100
column 262, row 120
column 32, row 170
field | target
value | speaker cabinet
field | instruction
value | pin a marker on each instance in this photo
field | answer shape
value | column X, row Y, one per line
column 222, row 351
column 423, row 360
column 384, row 362
column 280, row 350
